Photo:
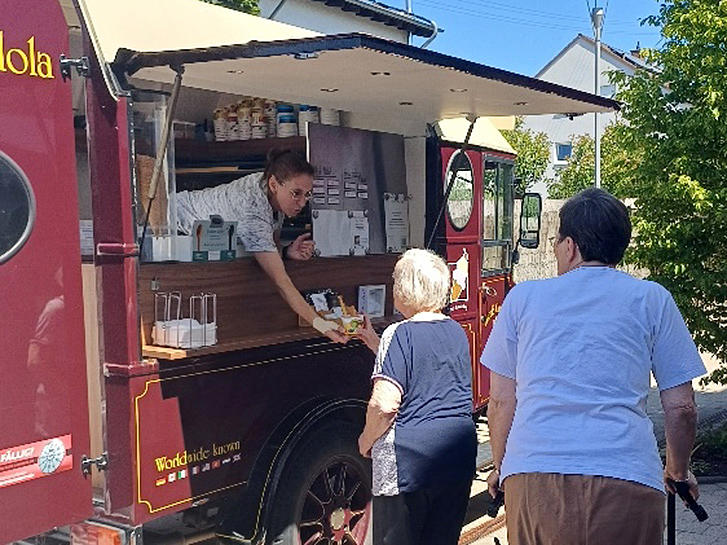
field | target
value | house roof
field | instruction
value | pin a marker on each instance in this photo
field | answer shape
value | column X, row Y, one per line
column 388, row 15
column 632, row 61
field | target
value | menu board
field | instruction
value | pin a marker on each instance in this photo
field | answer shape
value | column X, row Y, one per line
column 354, row 172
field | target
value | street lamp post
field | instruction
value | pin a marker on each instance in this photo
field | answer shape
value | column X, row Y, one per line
column 597, row 20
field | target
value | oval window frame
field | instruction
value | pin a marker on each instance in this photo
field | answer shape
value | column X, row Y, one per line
column 30, row 195
column 452, row 159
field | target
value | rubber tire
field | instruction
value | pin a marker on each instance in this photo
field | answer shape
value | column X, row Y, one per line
column 327, row 444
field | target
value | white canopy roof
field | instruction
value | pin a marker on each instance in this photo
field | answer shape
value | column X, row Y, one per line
column 231, row 52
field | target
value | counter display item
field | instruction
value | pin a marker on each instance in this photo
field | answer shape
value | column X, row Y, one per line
column 372, row 300
column 214, row 240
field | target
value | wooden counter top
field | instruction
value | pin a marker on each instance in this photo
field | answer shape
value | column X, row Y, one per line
column 250, row 312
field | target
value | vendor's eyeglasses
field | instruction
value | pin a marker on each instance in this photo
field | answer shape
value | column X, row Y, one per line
column 299, row 194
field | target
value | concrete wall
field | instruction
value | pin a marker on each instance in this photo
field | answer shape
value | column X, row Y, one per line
column 539, row 263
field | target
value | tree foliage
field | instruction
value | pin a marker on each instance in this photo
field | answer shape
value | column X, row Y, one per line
column 246, row 6
column 676, row 123
column 533, row 153
column 617, row 165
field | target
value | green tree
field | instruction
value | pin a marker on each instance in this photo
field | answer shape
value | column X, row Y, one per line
column 247, row 6
column 617, row 165
column 533, row 153
column 676, row 123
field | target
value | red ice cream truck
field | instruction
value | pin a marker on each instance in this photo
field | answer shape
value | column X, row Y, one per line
column 109, row 433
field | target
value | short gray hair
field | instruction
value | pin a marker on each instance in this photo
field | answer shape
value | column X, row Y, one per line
column 422, row 280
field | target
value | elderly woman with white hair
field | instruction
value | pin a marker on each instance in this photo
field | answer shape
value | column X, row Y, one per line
column 419, row 430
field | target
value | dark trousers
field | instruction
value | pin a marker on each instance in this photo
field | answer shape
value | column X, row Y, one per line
column 431, row 516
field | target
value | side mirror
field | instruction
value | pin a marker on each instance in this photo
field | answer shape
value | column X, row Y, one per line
column 530, row 220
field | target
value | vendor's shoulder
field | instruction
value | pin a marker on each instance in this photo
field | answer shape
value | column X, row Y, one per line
column 249, row 182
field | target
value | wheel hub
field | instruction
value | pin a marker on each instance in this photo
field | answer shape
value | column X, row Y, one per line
column 338, row 519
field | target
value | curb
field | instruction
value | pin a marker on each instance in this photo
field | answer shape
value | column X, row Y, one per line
column 712, row 479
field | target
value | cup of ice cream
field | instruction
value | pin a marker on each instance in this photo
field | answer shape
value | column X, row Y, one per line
column 351, row 324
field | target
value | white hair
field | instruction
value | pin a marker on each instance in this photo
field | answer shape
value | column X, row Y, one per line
column 422, row 280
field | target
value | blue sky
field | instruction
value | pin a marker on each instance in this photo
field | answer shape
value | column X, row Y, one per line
column 524, row 35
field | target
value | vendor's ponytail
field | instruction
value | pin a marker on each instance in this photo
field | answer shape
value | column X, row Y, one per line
column 285, row 164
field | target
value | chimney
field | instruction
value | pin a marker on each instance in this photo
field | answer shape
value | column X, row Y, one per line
column 637, row 51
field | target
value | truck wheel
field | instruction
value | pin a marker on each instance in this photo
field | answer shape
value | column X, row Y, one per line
column 324, row 496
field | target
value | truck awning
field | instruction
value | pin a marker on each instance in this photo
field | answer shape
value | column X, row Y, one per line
column 362, row 73
column 231, row 52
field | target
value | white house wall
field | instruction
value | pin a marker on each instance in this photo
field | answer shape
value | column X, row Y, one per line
column 328, row 20
column 574, row 68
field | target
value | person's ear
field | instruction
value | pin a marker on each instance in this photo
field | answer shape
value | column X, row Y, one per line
column 572, row 248
column 273, row 183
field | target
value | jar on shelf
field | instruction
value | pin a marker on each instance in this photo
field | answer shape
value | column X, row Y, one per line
column 307, row 114
column 233, row 129
column 270, row 111
column 287, row 125
column 219, row 122
column 330, row 116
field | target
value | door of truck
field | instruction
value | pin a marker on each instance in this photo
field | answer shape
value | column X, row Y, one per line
column 462, row 230
column 43, row 396
column 497, row 240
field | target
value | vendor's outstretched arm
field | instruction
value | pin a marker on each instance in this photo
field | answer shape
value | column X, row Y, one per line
column 273, row 266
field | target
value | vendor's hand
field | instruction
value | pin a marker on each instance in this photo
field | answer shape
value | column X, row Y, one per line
column 493, row 482
column 302, row 248
column 363, row 448
column 691, row 481
column 330, row 329
column 368, row 335
column 338, row 336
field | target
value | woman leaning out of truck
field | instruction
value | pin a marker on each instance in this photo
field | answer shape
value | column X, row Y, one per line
column 419, row 431
column 259, row 202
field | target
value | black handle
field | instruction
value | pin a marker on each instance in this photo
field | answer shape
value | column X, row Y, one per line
column 682, row 489
column 497, row 502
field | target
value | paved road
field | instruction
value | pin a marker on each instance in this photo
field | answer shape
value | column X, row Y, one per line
column 712, row 403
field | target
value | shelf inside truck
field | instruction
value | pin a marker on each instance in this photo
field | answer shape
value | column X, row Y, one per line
column 190, row 153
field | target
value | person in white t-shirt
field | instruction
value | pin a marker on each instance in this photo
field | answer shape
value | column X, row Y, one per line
column 259, row 203
column 570, row 360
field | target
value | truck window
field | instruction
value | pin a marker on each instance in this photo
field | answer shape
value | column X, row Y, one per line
column 17, row 208
column 497, row 195
column 461, row 198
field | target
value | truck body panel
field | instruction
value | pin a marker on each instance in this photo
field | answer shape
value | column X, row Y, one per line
column 43, row 397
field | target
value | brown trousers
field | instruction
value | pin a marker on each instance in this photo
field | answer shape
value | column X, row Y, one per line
column 555, row 509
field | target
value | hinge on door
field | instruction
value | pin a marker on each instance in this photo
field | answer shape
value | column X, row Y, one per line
column 101, row 463
column 80, row 63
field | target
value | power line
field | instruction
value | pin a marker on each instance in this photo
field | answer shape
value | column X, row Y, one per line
column 502, row 18
column 466, row 8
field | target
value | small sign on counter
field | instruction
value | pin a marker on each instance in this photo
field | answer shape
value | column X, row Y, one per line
column 214, row 240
